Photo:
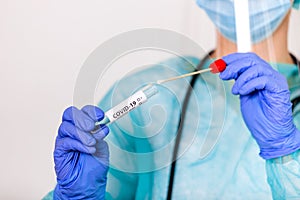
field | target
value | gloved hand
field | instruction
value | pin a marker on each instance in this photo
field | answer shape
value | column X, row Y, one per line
column 265, row 103
column 81, row 158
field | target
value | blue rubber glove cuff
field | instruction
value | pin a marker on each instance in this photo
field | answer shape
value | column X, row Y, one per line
column 285, row 147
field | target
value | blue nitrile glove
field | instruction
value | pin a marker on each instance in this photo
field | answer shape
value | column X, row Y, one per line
column 81, row 158
column 265, row 103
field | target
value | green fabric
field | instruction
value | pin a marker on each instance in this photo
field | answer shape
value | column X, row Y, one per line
column 218, row 156
column 235, row 151
column 49, row 196
column 296, row 4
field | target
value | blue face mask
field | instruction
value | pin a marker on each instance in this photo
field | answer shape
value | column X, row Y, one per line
column 265, row 16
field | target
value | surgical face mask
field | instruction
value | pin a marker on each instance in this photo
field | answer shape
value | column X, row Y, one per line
column 265, row 16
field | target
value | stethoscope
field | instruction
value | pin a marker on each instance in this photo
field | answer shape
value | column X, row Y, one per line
column 294, row 101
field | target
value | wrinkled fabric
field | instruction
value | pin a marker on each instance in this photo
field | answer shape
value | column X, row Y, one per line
column 265, row 16
column 218, row 159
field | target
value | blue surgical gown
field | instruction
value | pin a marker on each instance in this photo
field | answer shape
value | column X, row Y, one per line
column 217, row 158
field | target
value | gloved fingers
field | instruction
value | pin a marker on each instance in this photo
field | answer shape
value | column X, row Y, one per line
column 65, row 145
column 102, row 152
column 79, row 119
column 263, row 82
column 101, row 132
column 235, row 67
column 235, row 56
column 93, row 112
column 67, row 129
column 251, row 73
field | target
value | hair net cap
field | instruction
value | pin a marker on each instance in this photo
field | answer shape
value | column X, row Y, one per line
column 296, row 4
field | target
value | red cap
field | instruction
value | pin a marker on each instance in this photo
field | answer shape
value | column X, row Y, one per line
column 218, row 66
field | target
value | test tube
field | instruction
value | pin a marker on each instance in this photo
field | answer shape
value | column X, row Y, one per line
column 132, row 102
column 148, row 91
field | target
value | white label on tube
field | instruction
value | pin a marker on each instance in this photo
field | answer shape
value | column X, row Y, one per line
column 126, row 106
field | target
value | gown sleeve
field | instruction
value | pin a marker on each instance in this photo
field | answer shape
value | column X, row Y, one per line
column 284, row 173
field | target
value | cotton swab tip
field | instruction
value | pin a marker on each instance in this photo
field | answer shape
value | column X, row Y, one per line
column 218, row 66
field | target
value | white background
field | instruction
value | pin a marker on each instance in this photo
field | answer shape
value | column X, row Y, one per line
column 43, row 44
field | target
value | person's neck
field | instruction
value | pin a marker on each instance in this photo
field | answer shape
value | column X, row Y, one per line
column 273, row 49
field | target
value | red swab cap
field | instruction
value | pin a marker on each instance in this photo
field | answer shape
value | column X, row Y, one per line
column 218, row 66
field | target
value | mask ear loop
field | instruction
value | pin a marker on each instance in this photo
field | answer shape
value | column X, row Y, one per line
column 242, row 25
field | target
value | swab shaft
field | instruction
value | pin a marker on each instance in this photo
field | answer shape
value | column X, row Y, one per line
column 183, row 76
